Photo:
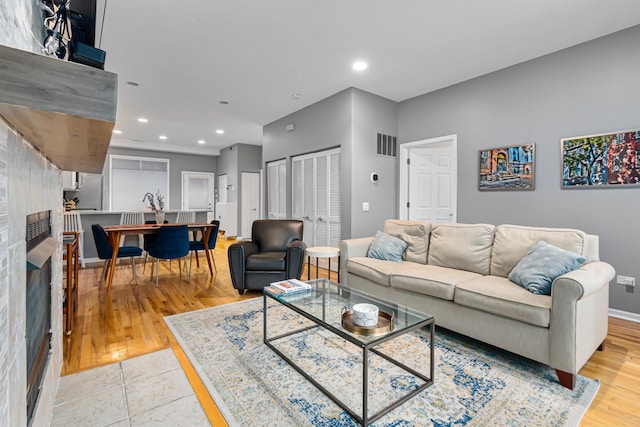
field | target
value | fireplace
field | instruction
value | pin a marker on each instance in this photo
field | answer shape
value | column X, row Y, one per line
column 40, row 247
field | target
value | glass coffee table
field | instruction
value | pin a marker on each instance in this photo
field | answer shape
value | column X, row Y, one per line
column 325, row 307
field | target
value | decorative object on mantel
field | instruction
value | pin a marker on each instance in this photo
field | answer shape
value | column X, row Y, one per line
column 58, row 24
column 156, row 205
column 607, row 160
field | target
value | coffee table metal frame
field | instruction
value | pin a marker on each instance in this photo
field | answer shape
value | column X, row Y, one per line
column 324, row 287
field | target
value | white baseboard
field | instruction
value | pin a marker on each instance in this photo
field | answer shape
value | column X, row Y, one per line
column 625, row 315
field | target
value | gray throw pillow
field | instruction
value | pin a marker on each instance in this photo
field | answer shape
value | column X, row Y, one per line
column 387, row 247
column 544, row 263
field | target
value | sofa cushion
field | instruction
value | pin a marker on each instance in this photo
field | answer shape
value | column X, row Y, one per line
column 386, row 247
column 265, row 261
column 462, row 246
column 513, row 242
column 415, row 233
column 499, row 296
column 544, row 263
column 439, row 282
column 376, row 270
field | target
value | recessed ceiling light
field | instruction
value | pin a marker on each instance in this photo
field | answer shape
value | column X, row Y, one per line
column 201, row 141
column 117, row 131
column 134, row 84
column 163, row 137
column 224, row 102
column 219, row 131
column 296, row 96
column 142, row 120
column 359, row 66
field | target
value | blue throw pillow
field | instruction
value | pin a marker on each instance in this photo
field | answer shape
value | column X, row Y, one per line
column 544, row 263
column 387, row 247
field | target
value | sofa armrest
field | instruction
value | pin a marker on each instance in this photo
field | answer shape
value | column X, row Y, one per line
column 584, row 281
column 349, row 249
column 579, row 315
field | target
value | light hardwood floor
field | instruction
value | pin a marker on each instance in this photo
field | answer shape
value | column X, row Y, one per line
column 127, row 322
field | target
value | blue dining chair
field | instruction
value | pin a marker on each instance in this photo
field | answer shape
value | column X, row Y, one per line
column 171, row 242
column 147, row 242
column 198, row 245
column 105, row 251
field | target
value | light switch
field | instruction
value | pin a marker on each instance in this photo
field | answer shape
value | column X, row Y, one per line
column 365, row 206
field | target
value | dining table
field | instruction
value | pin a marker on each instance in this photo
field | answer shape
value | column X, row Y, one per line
column 115, row 232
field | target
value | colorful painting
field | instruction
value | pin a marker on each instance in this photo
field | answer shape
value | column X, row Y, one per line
column 508, row 168
column 605, row 160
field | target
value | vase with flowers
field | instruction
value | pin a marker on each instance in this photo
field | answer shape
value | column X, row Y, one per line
column 156, row 205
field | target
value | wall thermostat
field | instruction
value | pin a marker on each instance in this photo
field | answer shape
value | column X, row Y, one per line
column 374, row 177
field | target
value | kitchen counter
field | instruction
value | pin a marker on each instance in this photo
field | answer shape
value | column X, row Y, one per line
column 103, row 218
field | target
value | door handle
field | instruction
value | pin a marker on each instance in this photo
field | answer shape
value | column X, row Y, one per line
column 321, row 219
column 306, row 217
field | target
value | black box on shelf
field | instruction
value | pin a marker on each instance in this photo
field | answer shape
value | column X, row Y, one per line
column 88, row 55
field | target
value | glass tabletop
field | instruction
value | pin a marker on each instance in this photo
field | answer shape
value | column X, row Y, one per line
column 327, row 300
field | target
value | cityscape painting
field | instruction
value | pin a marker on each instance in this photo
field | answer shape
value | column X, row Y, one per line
column 601, row 161
column 507, row 168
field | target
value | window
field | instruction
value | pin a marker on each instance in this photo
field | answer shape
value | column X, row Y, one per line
column 132, row 177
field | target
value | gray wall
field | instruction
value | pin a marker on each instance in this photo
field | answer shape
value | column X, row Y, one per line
column 349, row 119
column 372, row 114
column 88, row 194
column 233, row 161
column 228, row 164
column 587, row 89
column 320, row 126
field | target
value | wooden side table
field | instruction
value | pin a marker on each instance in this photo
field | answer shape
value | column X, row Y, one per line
column 322, row 252
column 71, row 241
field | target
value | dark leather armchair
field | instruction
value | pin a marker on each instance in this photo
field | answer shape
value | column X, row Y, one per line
column 275, row 252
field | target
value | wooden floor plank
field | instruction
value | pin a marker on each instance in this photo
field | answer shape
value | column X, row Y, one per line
column 127, row 322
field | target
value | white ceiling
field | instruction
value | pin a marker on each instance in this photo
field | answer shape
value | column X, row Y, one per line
column 189, row 55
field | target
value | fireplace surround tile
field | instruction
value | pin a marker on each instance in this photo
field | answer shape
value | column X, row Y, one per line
column 17, row 296
column 18, row 417
column 18, row 187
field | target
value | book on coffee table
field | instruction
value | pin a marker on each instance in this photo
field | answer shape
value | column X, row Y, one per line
column 287, row 287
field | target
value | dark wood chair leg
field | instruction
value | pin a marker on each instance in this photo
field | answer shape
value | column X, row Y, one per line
column 566, row 379
column 601, row 346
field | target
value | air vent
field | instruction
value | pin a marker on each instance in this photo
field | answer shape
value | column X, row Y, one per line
column 387, row 145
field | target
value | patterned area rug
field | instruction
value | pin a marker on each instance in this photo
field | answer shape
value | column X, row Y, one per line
column 475, row 384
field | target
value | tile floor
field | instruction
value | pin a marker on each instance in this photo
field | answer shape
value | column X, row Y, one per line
column 150, row 390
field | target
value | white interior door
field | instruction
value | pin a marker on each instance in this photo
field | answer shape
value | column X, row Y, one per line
column 197, row 191
column 429, row 186
column 277, row 189
column 250, row 203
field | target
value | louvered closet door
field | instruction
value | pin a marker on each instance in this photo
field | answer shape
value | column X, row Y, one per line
column 316, row 196
column 277, row 189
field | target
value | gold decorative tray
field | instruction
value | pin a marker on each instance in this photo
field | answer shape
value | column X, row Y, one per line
column 385, row 324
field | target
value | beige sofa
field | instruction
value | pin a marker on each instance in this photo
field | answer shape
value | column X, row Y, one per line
column 459, row 274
